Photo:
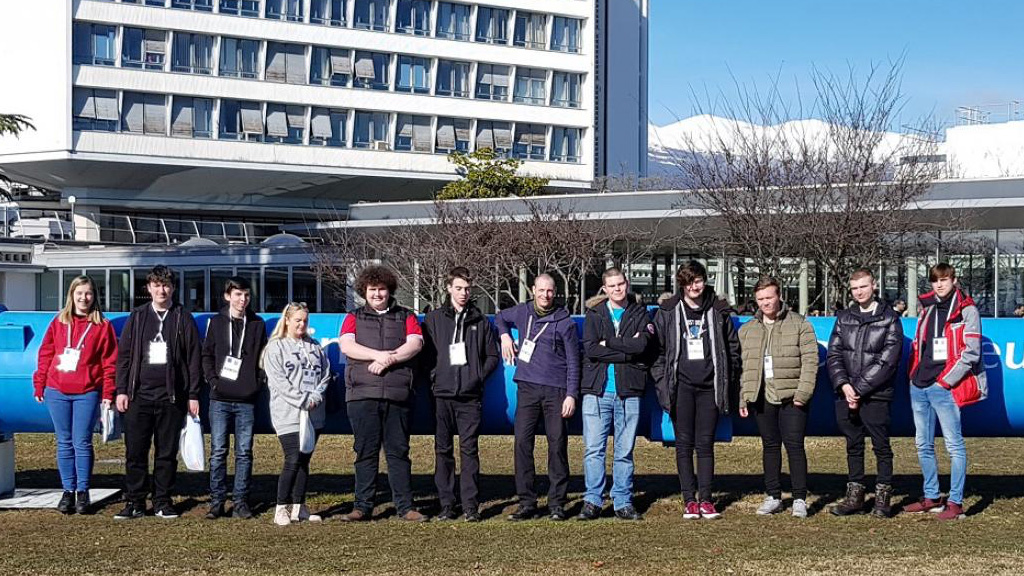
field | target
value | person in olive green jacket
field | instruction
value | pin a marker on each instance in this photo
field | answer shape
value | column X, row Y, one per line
column 780, row 366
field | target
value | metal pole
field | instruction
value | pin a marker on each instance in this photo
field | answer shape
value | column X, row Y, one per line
column 995, row 279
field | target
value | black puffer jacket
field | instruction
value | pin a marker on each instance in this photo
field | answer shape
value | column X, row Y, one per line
column 864, row 351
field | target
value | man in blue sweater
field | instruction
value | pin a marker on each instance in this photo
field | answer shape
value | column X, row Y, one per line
column 547, row 360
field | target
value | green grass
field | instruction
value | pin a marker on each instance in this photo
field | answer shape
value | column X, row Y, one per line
column 987, row 542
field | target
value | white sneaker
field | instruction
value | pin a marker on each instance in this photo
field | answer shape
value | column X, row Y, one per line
column 799, row 508
column 300, row 513
column 281, row 515
column 769, row 506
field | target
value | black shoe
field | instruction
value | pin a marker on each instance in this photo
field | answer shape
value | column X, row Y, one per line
column 216, row 511
column 628, row 513
column 523, row 513
column 131, row 511
column 883, row 501
column 557, row 513
column 67, row 503
column 241, row 510
column 852, row 503
column 589, row 512
column 473, row 516
column 447, row 513
column 165, row 511
column 82, row 502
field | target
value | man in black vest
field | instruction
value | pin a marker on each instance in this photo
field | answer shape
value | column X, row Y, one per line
column 460, row 351
column 380, row 341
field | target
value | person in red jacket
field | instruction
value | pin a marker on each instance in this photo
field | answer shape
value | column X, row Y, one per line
column 75, row 372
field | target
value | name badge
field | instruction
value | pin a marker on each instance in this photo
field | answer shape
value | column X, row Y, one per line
column 230, row 369
column 769, row 367
column 526, row 350
column 457, row 354
column 158, row 352
column 695, row 349
column 940, row 349
column 68, row 361
column 309, row 380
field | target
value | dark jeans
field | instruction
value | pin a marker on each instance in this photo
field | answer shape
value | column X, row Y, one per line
column 291, row 486
column 780, row 425
column 151, row 423
column 535, row 403
column 225, row 416
column 694, row 422
column 460, row 417
column 377, row 423
column 870, row 419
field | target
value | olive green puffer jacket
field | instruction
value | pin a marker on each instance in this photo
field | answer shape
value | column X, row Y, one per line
column 794, row 351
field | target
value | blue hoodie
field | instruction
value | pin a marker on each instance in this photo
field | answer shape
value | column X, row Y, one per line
column 556, row 358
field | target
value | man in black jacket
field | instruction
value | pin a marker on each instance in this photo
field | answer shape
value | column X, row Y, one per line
column 460, row 352
column 616, row 334
column 157, row 379
column 234, row 339
column 863, row 357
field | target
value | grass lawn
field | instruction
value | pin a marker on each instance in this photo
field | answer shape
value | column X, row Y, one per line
column 987, row 542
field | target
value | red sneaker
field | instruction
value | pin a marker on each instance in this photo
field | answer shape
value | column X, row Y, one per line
column 708, row 512
column 952, row 511
column 692, row 511
column 924, row 505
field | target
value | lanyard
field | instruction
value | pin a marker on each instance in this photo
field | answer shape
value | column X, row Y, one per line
column 615, row 323
column 935, row 328
column 529, row 328
column 460, row 319
column 686, row 327
column 305, row 353
column 231, row 336
column 80, row 340
column 160, row 330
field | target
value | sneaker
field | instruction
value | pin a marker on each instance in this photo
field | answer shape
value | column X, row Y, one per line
column 414, row 516
column 557, row 513
column 356, row 515
column 447, row 513
column 771, row 505
column 799, row 508
column 215, row 511
column 281, row 515
column 241, row 510
column 708, row 512
column 166, row 511
column 300, row 513
column 67, row 503
column 628, row 513
column 925, row 505
column 131, row 511
column 523, row 513
column 82, row 502
column 692, row 511
column 590, row 512
column 473, row 516
column 952, row 511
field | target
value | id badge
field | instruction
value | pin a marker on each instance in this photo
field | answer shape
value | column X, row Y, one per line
column 158, row 352
column 457, row 354
column 940, row 350
column 526, row 351
column 695, row 349
column 309, row 380
column 68, row 361
column 769, row 367
column 230, row 369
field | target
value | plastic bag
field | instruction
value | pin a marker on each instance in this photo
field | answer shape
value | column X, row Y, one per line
column 110, row 423
column 307, row 435
column 192, row 447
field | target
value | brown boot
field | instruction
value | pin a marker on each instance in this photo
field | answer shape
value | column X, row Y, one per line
column 414, row 516
column 853, row 503
column 883, row 501
column 356, row 515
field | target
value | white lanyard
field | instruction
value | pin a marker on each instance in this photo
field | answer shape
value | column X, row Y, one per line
column 305, row 353
column 80, row 340
column 160, row 329
column 615, row 323
column 460, row 319
column 686, row 329
column 231, row 336
column 529, row 328
column 949, row 314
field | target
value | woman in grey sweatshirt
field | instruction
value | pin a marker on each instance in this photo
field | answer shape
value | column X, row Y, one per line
column 298, row 372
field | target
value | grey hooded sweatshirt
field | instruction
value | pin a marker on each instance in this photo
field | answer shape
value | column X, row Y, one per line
column 284, row 360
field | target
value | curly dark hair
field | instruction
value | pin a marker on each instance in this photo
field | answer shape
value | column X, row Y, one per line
column 688, row 273
column 375, row 276
column 160, row 274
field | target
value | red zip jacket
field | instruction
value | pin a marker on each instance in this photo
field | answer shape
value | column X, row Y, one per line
column 964, row 372
column 95, row 366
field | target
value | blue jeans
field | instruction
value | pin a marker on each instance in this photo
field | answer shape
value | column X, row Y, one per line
column 927, row 403
column 74, row 418
column 224, row 415
column 600, row 413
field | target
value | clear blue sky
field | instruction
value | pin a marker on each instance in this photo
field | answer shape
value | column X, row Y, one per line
column 956, row 52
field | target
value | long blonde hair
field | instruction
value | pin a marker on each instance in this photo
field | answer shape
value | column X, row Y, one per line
column 67, row 313
column 281, row 328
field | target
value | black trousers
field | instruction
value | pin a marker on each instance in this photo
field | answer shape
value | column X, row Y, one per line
column 291, row 485
column 782, row 424
column 460, row 417
column 870, row 419
column 156, row 424
column 536, row 403
column 694, row 423
column 377, row 423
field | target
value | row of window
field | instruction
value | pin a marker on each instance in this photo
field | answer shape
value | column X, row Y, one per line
column 97, row 44
column 225, row 119
column 449, row 20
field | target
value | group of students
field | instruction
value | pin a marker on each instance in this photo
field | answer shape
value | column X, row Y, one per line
column 703, row 368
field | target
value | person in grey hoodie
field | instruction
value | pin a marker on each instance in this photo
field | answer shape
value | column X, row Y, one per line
column 298, row 373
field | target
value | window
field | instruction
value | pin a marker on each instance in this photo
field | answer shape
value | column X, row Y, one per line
column 452, row 79
column 93, row 109
column 247, row 8
column 565, row 34
column 372, row 70
column 372, row 14
column 286, row 63
column 496, row 136
column 192, row 53
column 239, row 57
column 328, row 127
column 530, row 84
column 565, row 145
column 492, row 82
column 452, row 135
column 143, row 113
column 304, row 288
column 197, row 5
column 93, row 44
column 565, row 90
column 143, row 48
column 290, row 10
column 241, row 120
column 371, row 130
column 160, row 3
column 413, row 17
column 492, row 25
column 327, row 12
column 413, row 133
column 192, row 117
column 286, row 124
column 453, row 21
column 330, row 67
column 530, row 140
column 529, row 31
column 413, row 75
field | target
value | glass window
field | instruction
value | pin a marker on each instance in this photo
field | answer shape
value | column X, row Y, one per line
column 290, row 10
column 94, row 109
column 93, row 44
column 565, row 34
column 565, row 144
column 372, row 14
column 156, row 2
column 530, row 30
column 120, row 291
column 192, row 53
column 492, row 25
column 371, row 130
column 219, row 277
column 99, row 278
column 453, row 78
column 492, row 82
column 413, row 17
column 285, row 124
column 530, row 86
column 413, row 133
column 328, row 127
column 247, row 8
column 48, row 297
column 143, row 113
column 371, row 70
column 413, row 75
column 565, row 90
column 192, row 117
column 453, row 135
column 330, row 67
column 241, row 120
column 286, row 63
column 198, row 5
column 530, row 142
column 327, row 12
column 496, row 136
column 67, row 276
column 453, row 21
column 304, row 289
column 193, row 292
column 275, row 288
column 141, row 295
column 142, row 48
column 239, row 57
column 253, row 276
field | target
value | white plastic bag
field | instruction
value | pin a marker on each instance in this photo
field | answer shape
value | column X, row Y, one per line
column 191, row 446
column 110, row 423
column 307, row 435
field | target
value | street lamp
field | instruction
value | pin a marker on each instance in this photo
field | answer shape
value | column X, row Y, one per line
column 71, row 201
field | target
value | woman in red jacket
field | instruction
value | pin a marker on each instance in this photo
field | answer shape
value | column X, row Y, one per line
column 76, row 370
